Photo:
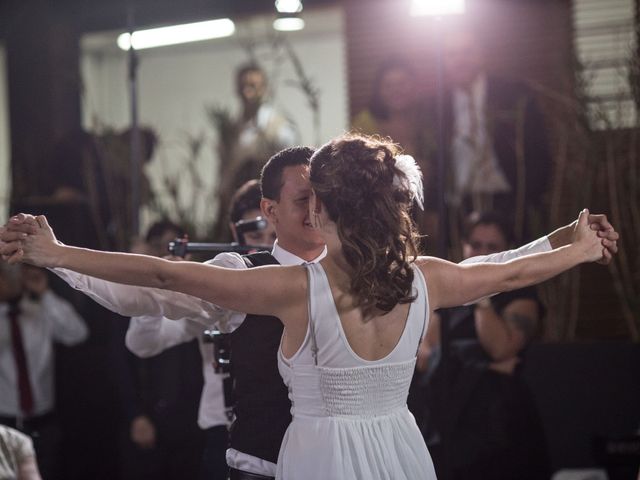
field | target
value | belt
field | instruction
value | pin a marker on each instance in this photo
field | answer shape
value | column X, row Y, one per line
column 242, row 475
column 27, row 424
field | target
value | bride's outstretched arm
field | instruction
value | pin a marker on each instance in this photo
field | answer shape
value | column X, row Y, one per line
column 263, row 290
column 451, row 285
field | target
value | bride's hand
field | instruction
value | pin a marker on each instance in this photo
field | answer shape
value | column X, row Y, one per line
column 38, row 247
column 587, row 240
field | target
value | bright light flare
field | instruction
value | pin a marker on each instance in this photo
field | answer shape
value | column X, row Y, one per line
column 437, row 8
column 175, row 34
column 288, row 24
column 288, row 6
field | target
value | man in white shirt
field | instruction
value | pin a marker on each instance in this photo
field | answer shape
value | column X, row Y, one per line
column 259, row 131
column 262, row 409
column 148, row 336
column 32, row 318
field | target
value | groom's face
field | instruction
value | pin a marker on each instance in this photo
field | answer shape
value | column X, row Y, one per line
column 290, row 213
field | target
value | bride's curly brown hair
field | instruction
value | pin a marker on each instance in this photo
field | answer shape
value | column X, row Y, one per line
column 353, row 176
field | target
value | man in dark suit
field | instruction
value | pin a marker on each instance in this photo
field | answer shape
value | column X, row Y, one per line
column 497, row 153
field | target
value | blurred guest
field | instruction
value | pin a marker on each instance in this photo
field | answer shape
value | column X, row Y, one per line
column 245, row 206
column 498, row 153
column 148, row 336
column 159, row 395
column 395, row 111
column 394, row 108
column 480, row 419
column 17, row 456
column 259, row 132
column 32, row 318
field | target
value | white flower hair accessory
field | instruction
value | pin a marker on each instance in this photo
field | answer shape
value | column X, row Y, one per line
column 412, row 178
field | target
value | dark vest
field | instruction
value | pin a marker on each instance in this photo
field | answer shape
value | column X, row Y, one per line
column 262, row 405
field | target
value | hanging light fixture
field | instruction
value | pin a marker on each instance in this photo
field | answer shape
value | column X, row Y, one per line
column 288, row 6
column 288, row 16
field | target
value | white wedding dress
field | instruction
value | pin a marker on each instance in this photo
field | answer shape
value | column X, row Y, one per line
column 350, row 416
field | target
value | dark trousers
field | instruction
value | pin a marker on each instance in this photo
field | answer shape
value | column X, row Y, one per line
column 240, row 475
column 46, row 434
column 176, row 456
column 214, row 460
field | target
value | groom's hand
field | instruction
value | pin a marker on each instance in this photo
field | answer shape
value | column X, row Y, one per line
column 14, row 232
column 599, row 222
column 607, row 234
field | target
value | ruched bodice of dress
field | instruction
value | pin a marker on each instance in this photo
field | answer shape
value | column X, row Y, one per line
column 359, row 392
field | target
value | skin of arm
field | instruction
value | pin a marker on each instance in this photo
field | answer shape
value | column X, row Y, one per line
column 135, row 301
column 275, row 290
column 226, row 287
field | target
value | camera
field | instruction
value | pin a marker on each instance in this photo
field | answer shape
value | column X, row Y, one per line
column 221, row 354
column 246, row 226
column 181, row 246
column 221, row 349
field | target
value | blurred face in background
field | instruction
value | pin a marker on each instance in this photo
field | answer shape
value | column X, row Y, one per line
column 397, row 90
column 159, row 246
column 266, row 236
column 484, row 240
column 252, row 87
column 463, row 59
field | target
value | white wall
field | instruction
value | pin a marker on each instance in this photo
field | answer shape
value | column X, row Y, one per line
column 5, row 172
column 177, row 83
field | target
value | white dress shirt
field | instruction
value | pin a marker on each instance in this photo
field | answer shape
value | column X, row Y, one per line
column 41, row 323
column 150, row 335
column 269, row 130
column 476, row 169
column 151, row 303
column 540, row 245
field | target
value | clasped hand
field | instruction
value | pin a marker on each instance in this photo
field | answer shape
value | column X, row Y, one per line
column 29, row 239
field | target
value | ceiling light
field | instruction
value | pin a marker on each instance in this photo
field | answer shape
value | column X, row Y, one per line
column 288, row 24
column 437, row 7
column 175, row 34
column 289, row 6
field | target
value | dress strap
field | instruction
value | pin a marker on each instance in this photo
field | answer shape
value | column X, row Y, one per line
column 419, row 277
column 311, row 326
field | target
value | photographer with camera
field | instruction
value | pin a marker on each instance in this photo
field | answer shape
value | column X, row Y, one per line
column 149, row 335
column 160, row 437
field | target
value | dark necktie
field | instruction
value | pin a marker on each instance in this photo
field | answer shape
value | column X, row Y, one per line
column 24, row 384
